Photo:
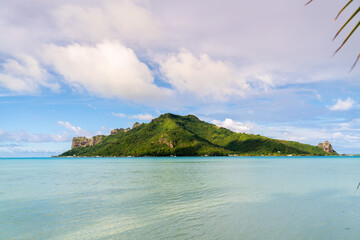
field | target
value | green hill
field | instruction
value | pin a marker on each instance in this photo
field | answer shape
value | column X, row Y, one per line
column 171, row 134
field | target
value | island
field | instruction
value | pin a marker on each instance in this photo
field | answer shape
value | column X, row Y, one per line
column 175, row 135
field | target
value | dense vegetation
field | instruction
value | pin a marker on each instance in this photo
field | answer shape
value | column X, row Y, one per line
column 177, row 135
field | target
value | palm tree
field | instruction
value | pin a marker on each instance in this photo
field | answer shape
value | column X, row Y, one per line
column 345, row 24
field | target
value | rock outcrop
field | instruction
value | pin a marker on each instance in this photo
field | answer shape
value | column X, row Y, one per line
column 85, row 142
column 136, row 125
column 119, row 130
column 326, row 146
column 80, row 142
column 116, row 131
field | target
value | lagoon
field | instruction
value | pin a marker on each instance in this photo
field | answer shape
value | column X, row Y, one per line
column 180, row 198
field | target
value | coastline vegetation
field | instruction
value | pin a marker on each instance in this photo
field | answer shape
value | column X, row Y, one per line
column 174, row 135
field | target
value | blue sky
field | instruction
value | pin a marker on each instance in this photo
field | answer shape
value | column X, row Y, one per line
column 80, row 68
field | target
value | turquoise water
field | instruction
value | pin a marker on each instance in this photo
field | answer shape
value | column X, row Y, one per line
column 180, row 198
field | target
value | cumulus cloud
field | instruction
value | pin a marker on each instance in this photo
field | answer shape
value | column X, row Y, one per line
column 24, row 75
column 108, row 69
column 239, row 127
column 343, row 105
column 211, row 79
column 114, row 71
column 78, row 131
column 261, row 59
column 203, row 76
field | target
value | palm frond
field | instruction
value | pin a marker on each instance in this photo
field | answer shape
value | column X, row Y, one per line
column 352, row 16
column 343, row 26
column 357, row 59
column 342, row 9
column 347, row 38
column 308, row 2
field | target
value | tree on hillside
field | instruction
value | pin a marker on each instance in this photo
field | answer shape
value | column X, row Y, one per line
column 345, row 24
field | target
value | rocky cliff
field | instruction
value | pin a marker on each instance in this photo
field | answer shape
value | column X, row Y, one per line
column 119, row 130
column 136, row 125
column 85, row 142
column 326, row 146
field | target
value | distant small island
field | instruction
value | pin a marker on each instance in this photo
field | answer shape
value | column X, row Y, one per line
column 175, row 135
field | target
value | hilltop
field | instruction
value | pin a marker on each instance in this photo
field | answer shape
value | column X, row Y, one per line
column 171, row 134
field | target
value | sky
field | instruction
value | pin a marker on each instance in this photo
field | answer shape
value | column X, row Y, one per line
column 84, row 67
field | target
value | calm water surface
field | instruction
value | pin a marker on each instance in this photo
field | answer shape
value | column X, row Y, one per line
column 180, row 198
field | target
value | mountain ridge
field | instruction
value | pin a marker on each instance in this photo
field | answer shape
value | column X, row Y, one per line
column 171, row 134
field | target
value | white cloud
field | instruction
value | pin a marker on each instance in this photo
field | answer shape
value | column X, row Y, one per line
column 78, row 131
column 29, row 149
column 262, row 59
column 353, row 125
column 343, row 105
column 108, row 69
column 239, row 127
column 144, row 117
column 294, row 133
column 202, row 76
column 338, row 135
column 140, row 116
column 24, row 75
column 122, row 115
column 218, row 30
column 210, row 79
column 24, row 136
